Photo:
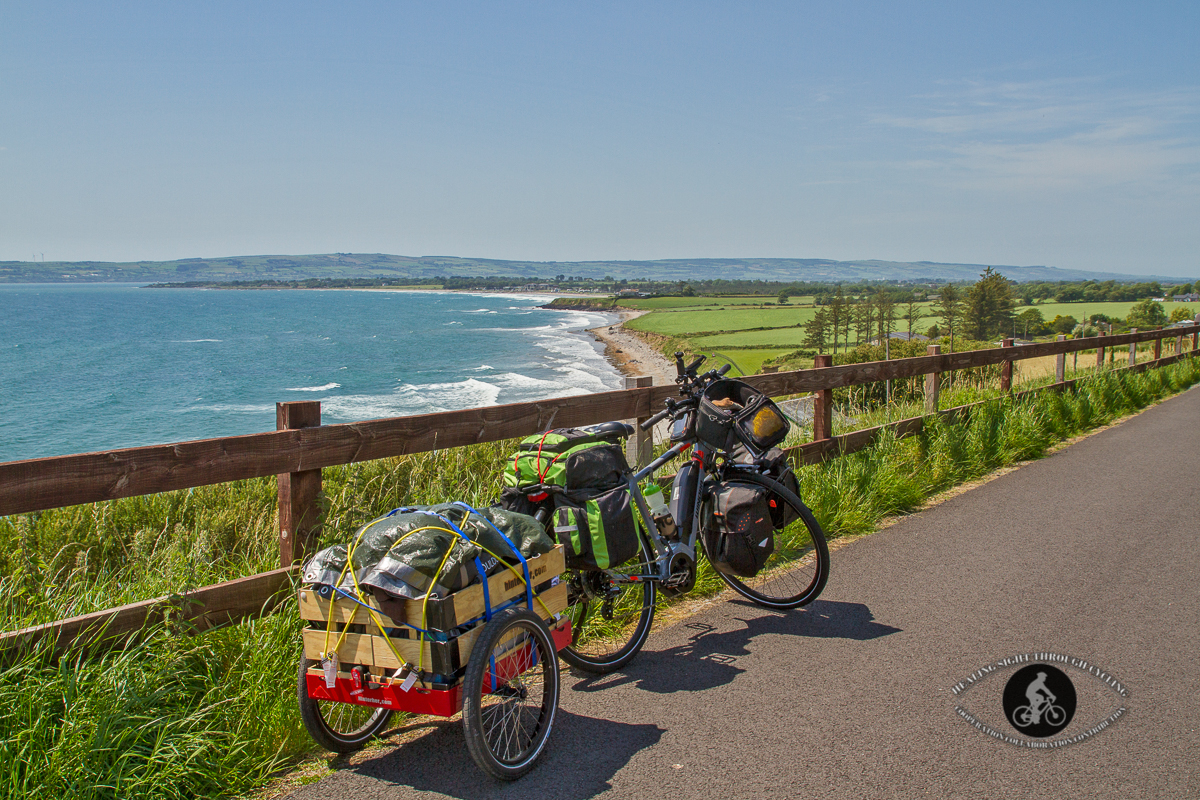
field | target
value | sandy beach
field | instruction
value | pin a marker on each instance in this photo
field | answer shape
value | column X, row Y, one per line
column 631, row 355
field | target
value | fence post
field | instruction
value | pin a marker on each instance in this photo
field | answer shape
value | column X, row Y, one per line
column 933, row 382
column 1060, row 363
column 1100, row 351
column 1196, row 337
column 640, row 446
column 299, row 510
column 1158, row 345
column 1006, row 369
column 822, row 404
column 1132, row 349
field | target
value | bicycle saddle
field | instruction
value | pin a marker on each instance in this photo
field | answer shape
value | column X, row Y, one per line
column 610, row 430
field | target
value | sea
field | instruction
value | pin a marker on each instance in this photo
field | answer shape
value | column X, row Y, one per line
column 87, row 367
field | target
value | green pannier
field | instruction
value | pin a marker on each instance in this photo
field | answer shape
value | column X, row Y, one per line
column 599, row 534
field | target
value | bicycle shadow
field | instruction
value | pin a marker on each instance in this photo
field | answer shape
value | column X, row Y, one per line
column 438, row 762
column 711, row 657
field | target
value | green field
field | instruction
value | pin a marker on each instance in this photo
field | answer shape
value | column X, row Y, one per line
column 682, row 323
column 745, row 362
column 1081, row 311
column 790, row 338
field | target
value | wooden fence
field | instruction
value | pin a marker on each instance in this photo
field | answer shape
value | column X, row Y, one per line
column 300, row 447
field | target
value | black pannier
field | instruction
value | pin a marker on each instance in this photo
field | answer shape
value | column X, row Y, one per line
column 773, row 464
column 732, row 412
column 739, row 534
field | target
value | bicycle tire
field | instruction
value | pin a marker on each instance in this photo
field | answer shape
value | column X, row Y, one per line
column 603, row 643
column 796, row 573
column 510, row 694
column 1055, row 715
column 338, row 727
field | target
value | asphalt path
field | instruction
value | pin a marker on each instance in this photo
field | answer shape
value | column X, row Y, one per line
column 1090, row 553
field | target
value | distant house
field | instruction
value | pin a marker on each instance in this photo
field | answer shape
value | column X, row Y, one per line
column 1190, row 297
column 903, row 337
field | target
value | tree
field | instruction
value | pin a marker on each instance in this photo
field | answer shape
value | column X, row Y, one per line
column 838, row 313
column 885, row 314
column 1031, row 322
column 913, row 314
column 1061, row 324
column 816, row 330
column 949, row 308
column 1146, row 314
column 864, row 317
column 989, row 307
column 783, row 296
column 1182, row 314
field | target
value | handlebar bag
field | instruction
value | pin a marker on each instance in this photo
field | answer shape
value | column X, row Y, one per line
column 733, row 412
column 598, row 533
column 739, row 534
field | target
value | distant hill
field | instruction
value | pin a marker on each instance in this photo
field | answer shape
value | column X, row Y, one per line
column 378, row 265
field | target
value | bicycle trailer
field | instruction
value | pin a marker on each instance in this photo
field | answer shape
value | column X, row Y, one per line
column 488, row 650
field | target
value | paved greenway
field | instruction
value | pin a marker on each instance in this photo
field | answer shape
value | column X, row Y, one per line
column 1091, row 553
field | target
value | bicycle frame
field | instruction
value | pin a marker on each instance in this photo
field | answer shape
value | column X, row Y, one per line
column 665, row 551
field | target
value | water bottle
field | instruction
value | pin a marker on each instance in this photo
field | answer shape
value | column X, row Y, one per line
column 654, row 498
column 660, row 511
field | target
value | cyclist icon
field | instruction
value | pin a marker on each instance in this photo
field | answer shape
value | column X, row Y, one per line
column 1041, row 699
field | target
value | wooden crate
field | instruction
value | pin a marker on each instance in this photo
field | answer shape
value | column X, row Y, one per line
column 442, row 657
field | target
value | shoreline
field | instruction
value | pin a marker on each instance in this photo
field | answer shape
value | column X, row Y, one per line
column 630, row 355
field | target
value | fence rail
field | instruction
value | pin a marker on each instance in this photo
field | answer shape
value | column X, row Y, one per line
column 301, row 447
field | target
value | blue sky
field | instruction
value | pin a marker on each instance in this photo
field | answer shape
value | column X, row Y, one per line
column 1065, row 134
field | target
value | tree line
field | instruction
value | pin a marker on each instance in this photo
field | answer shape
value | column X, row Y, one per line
column 979, row 311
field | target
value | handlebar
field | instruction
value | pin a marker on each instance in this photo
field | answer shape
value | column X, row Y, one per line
column 657, row 418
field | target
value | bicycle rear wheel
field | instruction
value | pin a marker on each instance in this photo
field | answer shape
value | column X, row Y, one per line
column 796, row 572
column 610, row 612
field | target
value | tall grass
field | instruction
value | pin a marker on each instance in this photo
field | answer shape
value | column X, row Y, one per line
column 215, row 714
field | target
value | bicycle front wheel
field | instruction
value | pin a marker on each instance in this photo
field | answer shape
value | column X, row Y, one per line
column 796, row 572
column 610, row 613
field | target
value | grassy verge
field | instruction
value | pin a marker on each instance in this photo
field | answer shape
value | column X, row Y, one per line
column 212, row 715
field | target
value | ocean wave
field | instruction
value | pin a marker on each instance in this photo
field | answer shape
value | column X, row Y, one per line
column 193, row 341
column 482, row 367
column 233, row 408
column 324, row 388
column 410, row 399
